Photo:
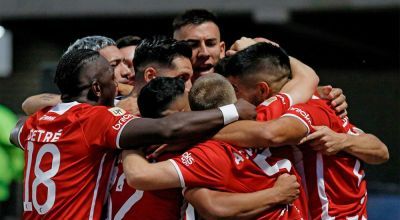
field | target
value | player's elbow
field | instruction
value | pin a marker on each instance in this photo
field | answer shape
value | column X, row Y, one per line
column 27, row 106
column 381, row 152
column 385, row 155
column 136, row 180
column 314, row 79
column 136, row 177
column 382, row 156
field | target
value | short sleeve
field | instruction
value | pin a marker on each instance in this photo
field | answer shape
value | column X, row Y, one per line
column 205, row 165
column 350, row 128
column 301, row 112
column 103, row 127
column 274, row 107
column 23, row 133
column 314, row 115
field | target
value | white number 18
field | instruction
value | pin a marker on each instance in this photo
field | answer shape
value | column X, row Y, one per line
column 41, row 178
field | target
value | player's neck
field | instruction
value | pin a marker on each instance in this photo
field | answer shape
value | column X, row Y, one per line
column 80, row 99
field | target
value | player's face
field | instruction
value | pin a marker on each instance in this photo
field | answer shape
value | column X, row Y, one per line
column 245, row 91
column 181, row 67
column 122, row 68
column 206, row 44
column 129, row 52
column 107, row 83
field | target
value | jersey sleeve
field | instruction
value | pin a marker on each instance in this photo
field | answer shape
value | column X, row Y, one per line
column 105, row 129
column 274, row 107
column 304, row 113
column 205, row 165
column 22, row 133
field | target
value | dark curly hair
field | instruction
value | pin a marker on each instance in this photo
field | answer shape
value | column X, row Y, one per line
column 69, row 69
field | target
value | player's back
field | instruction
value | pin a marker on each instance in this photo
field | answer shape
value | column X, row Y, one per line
column 68, row 155
column 335, row 184
column 221, row 166
column 273, row 108
column 128, row 203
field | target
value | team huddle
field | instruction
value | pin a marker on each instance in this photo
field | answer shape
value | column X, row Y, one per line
column 184, row 128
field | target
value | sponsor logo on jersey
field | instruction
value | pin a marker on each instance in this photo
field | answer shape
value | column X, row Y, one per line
column 302, row 113
column 187, row 159
column 269, row 101
column 47, row 118
column 122, row 121
column 117, row 111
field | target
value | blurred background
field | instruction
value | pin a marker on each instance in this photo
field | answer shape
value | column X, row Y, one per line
column 352, row 44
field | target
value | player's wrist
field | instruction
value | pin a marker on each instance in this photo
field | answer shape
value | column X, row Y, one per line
column 347, row 141
column 277, row 197
column 229, row 113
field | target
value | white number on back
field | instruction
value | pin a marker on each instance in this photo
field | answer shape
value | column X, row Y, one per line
column 261, row 161
column 41, row 177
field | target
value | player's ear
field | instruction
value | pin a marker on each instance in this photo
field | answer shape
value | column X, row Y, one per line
column 149, row 74
column 263, row 90
column 222, row 49
column 96, row 88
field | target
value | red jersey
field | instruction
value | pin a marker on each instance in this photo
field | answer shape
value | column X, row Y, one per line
column 335, row 184
column 220, row 166
column 128, row 203
column 69, row 155
column 273, row 108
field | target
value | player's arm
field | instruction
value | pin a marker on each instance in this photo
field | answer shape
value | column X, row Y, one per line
column 282, row 131
column 303, row 84
column 213, row 204
column 183, row 126
column 366, row 147
column 14, row 135
column 34, row 103
column 124, row 89
column 142, row 175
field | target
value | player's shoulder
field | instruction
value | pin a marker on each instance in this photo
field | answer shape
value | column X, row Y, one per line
column 102, row 110
column 278, row 98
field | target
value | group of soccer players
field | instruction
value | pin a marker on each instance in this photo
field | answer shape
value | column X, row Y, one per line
column 197, row 134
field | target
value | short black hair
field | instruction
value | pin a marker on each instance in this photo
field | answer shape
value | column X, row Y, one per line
column 258, row 58
column 127, row 41
column 69, row 69
column 194, row 16
column 156, row 96
column 220, row 66
column 160, row 50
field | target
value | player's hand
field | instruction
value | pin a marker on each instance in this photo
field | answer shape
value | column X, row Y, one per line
column 239, row 45
column 245, row 42
column 129, row 104
column 338, row 99
column 325, row 140
column 124, row 89
column 261, row 39
column 288, row 188
column 246, row 110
